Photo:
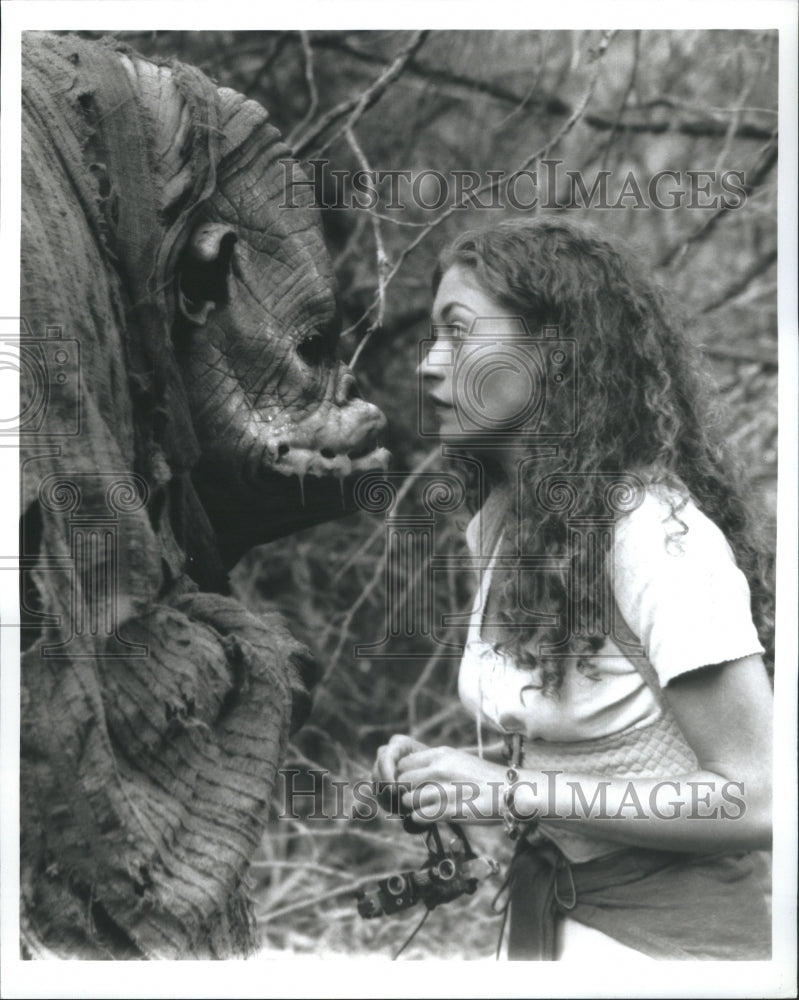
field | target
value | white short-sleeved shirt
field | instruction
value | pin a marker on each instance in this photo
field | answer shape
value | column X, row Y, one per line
column 679, row 591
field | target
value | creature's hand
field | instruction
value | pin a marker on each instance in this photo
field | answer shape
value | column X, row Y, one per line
column 444, row 783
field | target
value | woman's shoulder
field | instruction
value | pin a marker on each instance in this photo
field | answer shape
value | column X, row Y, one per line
column 677, row 585
column 668, row 523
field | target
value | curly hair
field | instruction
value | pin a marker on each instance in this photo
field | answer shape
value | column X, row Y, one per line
column 646, row 407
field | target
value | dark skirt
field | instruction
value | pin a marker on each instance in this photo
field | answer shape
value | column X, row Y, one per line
column 666, row 904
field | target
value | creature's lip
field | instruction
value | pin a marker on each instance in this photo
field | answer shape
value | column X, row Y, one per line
column 364, row 450
column 311, row 462
column 377, row 458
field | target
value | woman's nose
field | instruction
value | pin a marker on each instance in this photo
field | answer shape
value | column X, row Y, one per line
column 437, row 361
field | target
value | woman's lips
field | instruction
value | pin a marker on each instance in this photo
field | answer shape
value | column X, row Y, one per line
column 439, row 404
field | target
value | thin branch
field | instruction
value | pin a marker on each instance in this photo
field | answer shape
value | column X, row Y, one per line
column 741, row 283
column 358, row 105
column 766, row 161
column 248, row 86
column 382, row 261
column 735, row 121
column 623, row 104
column 313, row 93
column 766, row 359
column 421, row 682
column 491, row 185
column 532, row 89
column 550, row 104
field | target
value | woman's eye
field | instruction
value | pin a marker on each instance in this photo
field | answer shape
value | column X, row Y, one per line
column 449, row 331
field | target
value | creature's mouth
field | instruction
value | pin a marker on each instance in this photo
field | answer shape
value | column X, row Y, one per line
column 303, row 461
column 363, row 451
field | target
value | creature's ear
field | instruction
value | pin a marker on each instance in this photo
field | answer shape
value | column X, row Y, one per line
column 204, row 269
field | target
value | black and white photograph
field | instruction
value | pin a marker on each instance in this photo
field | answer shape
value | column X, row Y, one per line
column 398, row 433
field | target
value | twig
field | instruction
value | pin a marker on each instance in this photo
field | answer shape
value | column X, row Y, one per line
column 361, row 103
column 735, row 121
column 623, row 103
column 766, row 160
column 741, row 283
column 730, row 352
column 249, row 85
column 313, row 93
column 382, row 261
column 296, row 865
column 550, row 104
column 419, row 683
column 490, row 185
column 452, row 709
column 531, row 89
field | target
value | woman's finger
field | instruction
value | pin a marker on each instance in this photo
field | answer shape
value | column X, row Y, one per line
column 418, row 777
column 428, row 803
column 418, row 759
column 386, row 764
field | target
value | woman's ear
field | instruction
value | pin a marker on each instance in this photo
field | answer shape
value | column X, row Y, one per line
column 204, row 269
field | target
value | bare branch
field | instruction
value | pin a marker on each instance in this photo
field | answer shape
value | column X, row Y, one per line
column 735, row 121
column 361, row 103
column 603, row 121
column 490, row 185
column 313, row 93
column 248, row 86
column 623, row 104
column 382, row 262
column 741, row 283
column 765, row 162
column 532, row 89
column 730, row 352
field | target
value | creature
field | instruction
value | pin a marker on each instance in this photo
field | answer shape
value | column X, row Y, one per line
column 180, row 403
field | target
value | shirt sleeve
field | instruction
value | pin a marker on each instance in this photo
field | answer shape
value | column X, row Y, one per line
column 679, row 589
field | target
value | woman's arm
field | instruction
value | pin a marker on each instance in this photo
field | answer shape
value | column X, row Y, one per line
column 725, row 712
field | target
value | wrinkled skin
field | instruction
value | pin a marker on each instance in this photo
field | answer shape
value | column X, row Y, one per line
column 280, row 422
column 197, row 390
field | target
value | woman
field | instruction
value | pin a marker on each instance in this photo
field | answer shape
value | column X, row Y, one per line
column 612, row 642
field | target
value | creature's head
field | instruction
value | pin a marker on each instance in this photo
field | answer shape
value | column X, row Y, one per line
column 280, row 423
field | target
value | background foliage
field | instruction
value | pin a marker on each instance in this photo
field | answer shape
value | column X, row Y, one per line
column 474, row 100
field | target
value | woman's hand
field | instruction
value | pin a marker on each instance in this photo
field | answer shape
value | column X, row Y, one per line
column 389, row 756
column 441, row 783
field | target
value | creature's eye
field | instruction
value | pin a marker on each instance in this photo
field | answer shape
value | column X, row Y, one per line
column 313, row 350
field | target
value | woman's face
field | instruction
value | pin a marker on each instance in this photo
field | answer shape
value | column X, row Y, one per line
column 480, row 375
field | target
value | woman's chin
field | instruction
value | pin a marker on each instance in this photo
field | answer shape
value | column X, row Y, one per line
column 451, row 433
